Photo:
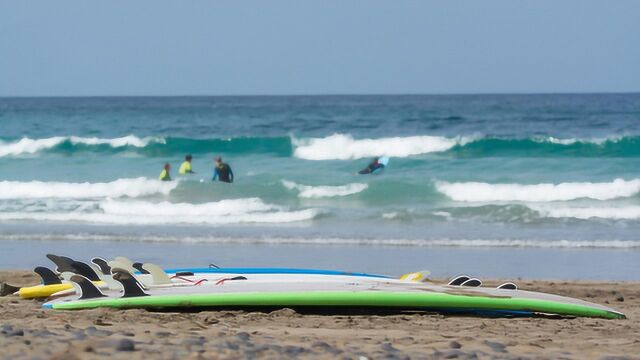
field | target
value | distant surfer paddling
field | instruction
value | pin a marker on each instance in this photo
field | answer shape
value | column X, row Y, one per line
column 222, row 171
column 378, row 163
column 185, row 167
column 164, row 175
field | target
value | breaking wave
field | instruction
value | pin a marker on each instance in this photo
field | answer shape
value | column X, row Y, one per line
column 587, row 213
column 484, row 192
column 343, row 147
column 235, row 211
column 32, row 146
column 118, row 188
column 313, row 192
column 334, row 147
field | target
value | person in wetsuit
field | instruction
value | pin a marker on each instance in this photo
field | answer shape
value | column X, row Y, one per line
column 185, row 168
column 373, row 166
column 222, row 171
column 164, row 175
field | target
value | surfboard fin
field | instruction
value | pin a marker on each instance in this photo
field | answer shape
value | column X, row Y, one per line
column 87, row 289
column 472, row 283
column 508, row 286
column 122, row 265
column 124, row 260
column 63, row 263
column 458, row 280
column 158, row 275
column 47, row 275
column 102, row 264
column 131, row 286
column 138, row 266
column 85, row 270
column 6, row 289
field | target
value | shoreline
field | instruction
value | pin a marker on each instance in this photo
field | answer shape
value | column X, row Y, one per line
column 443, row 262
column 29, row 329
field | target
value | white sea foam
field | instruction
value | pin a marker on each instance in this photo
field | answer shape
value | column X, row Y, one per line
column 328, row 241
column 314, row 192
column 343, row 147
column 129, row 140
column 118, row 188
column 250, row 210
column 31, row 146
column 484, row 192
column 391, row 215
column 571, row 141
column 586, row 213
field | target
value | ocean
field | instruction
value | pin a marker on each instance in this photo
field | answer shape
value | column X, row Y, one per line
column 500, row 174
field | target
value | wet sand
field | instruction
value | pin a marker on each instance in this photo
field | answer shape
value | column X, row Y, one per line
column 28, row 331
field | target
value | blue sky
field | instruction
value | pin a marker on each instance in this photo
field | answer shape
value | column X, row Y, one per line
column 317, row 47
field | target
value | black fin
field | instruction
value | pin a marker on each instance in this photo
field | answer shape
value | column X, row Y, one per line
column 47, row 275
column 457, row 281
column 238, row 278
column 213, row 266
column 508, row 286
column 102, row 264
column 138, row 266
column 132, row 287
column 87, row 289
column 6, row 289
column 184, row 273
column 472, row 283
column 85, row 270
column 63, row 263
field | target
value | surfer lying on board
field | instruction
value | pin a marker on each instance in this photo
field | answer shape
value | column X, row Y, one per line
column 373, row 166
column 222, row 171
column 164, row 175
column 185, row 168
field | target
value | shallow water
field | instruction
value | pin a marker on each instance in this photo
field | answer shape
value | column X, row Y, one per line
column 486, row 171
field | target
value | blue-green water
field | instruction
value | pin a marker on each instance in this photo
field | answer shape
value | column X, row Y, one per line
column 490, row 170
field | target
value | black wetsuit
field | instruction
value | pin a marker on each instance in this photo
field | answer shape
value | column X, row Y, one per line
column 223, row 172
column 371, row 168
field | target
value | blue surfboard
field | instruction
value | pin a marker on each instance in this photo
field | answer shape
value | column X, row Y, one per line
column 271, row 271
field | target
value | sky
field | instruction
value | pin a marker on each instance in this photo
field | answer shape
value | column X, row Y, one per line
column 158, row 47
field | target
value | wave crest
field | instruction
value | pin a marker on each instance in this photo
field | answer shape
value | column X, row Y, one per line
column 337, row 146
column 118, row 188
column 484, row 192
column 344, row 146
column 31, row 146
column 314, row 192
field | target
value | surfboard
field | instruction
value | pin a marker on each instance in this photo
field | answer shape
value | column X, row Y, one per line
column 336, row 292
column 44, row 290
column 270, row 271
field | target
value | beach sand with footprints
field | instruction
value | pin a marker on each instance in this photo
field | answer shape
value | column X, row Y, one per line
column 29, row 331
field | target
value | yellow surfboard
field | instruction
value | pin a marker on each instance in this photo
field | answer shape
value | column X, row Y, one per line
column 42, row 291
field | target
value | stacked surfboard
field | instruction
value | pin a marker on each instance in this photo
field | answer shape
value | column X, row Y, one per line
column 123, row 284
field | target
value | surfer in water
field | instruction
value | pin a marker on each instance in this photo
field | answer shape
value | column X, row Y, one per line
column 222, row 171
column 164, row 175
column 185, row 168
column 373, row 166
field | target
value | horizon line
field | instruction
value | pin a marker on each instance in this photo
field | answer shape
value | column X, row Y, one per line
column 326, row 94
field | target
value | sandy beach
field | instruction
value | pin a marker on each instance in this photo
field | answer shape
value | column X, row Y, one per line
column 28, row 331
